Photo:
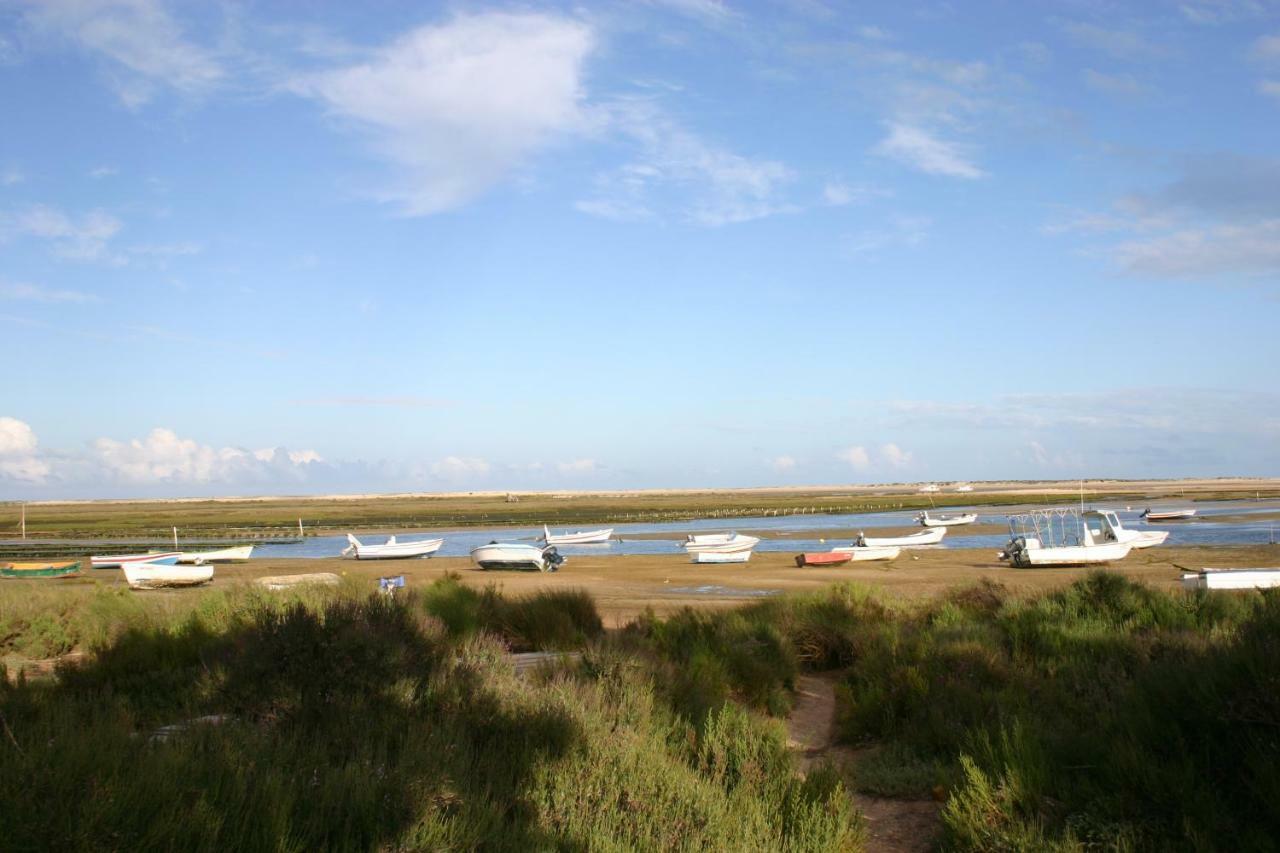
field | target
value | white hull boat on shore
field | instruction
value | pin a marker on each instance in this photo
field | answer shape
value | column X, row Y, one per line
column 931, row 536
column 238, row 554
column 514, row 555
column 946, row 520
column 720, row 543
column 1232, row 579
column 1028, row 553
column 392, row 550
column 116, row 561
column 581, row 537
column 1058, row 537
column 720, row 557
column 870, row 552
column 160, row 576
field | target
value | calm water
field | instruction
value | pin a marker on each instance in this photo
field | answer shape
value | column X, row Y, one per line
column 1203, row 530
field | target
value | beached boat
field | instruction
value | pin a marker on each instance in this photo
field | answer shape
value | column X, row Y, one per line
column 729, row 543
column 39, row 570
column 279, row 582
column 964, row 488
column 514, row 555
column 162, row 575
column 720, row 556
column 1109, row 529
column 930, row 488
column 1057, row 537
column 1231, row 579
column 931, row 536
column 117, row 561
column 1167, row 515
column 873, row 552
column 946, row 520
column 581, row 537
column 392, row 550
column 238, row 554
column 823, row 558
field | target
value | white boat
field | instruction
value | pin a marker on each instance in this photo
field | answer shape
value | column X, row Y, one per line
column 581, row 537
column 238, row 554
column 1231, row 579
column 392, row 550
column 964, row 488
column 116, row 561
column 1057, row 537
column 720, row 556
column 514, row 555
column 870, row 552
column 946, row 520
column 1109, row 529
column 278, row 582
column 1168, row 515
column 931, row 536
column 730, row 543
column 930, row 488
column 160, row 575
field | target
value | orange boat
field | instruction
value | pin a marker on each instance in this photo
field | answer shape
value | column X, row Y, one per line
column 822, row 558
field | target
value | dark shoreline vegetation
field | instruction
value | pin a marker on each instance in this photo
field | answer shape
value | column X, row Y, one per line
column 1105, row 715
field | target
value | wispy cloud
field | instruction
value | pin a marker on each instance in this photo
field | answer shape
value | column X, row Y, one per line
column 856, row 457
column 578, row 466
column 1250, row 249
column 84, row 238
column 1117, row 42
column 460, row 467
column 456, row 107
column 1266, row 48
column 841, row 194
column 144, row 47
column 894, row 456
column 920, row 150
column 896, row 231
column 1114, row 84
column 11, row 176
column 783, row 464
column 21, row 292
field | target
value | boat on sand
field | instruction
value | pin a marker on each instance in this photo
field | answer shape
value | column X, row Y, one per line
column 39, row 570
column 163, row 575
column 116, row 561
column 1232, row 579
column 721, row 543
column 580, row 537
column 932, row 536
column 515, row 555
column 238, row 554
column 392, row 550
column 823, row 558
column 1057, row 537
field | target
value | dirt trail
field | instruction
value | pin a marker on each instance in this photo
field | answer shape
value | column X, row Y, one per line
column 893, row 825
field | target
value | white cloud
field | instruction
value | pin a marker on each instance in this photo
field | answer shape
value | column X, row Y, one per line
column 715, row 186
column 145, row 47
column 19, row 291
column 1270, row 88
column 1119, row 43
column 164, row 457
column 86, row 238
column 856, row 456
column 872, row 33
column 895, row 456
column 19, row 449
column 1250, row 249
column 712, row 12
column 454, row 467
column 460, row 105
column 11, row 176
column 924, row 152
column 840, row 194
column 1114, row 84
column 782, row 464
column 578, row 466
column 100, row 172
column 1266, row 48
column 897, row 231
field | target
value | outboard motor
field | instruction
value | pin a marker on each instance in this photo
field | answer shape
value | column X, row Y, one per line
column 552, row 558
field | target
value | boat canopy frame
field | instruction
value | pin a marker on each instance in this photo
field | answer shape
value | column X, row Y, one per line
column 1059, row 527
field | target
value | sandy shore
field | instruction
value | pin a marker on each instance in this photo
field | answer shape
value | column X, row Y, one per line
column 625, row 586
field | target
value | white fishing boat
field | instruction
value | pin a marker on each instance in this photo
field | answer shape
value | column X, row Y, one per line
column 116, row 561
column 1167, row 515
column 1109, row 529
column 581, row 537
column 1057, row 537
column 238, row 554
column 720, row 557
column 931, row 536
column 161, row 575
column 1231, row 579
column 392, row 550
column 946, row 520
column 514, row 555
column 870, row 552
column 730, row 543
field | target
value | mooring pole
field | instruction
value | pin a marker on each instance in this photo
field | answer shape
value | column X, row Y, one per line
column 301, row 535
column 175, row 536
column 24, row 519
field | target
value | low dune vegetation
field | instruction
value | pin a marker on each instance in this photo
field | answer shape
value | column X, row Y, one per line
column 1105, row 715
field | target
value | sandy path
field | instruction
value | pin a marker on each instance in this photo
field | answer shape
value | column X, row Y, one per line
column 893, row 825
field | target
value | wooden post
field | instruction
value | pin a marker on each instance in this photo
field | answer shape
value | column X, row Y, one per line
column 24, row 519
column 175, row 537
column 301, row 535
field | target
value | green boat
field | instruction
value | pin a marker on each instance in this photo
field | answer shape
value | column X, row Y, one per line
column 39, row 570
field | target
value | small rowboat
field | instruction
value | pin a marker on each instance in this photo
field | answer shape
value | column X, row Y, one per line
column 932, row 536
column 873, row 552
column 1231, row 579
column 39, row 570
column 1168, row 515
column 720, row 543
column 161, row 575
column 238, row 554
column 393, row 550
column 823, row 558
column 721, row 556
column 581, row 537
column 946, row 520
column 118, row 561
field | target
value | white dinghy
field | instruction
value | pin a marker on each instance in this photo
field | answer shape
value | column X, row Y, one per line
column 946, row 520
column 238, row 554
column 914, row 540
column 515, row 555
column 869, row 552
column 160, row 575
column 1109, row 529
column 720, row 543
column 1057, row 537
column 116, row 561
column 581, row 537
column 1168, row 515
column 1231, row 579
column 392, row 550
column 720, row 557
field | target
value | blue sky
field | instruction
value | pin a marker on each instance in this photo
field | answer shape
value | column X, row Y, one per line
column 288, row 248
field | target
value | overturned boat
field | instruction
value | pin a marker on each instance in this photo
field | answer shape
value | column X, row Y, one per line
column 392, row 550
column 514, row 555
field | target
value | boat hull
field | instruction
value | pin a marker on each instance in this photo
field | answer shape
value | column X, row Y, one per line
column 1171, row 515
column 394, row 550
column 1232, row 579
column 1071, row 555
column 116, row 561
column 499, row 555
column 822, row 558
column 736, row 545
column 164, row 576
column 39, row 570
column 721, row 556
column 954, row 521
column 927, row 537
column 238, row 554
column 581, row 537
